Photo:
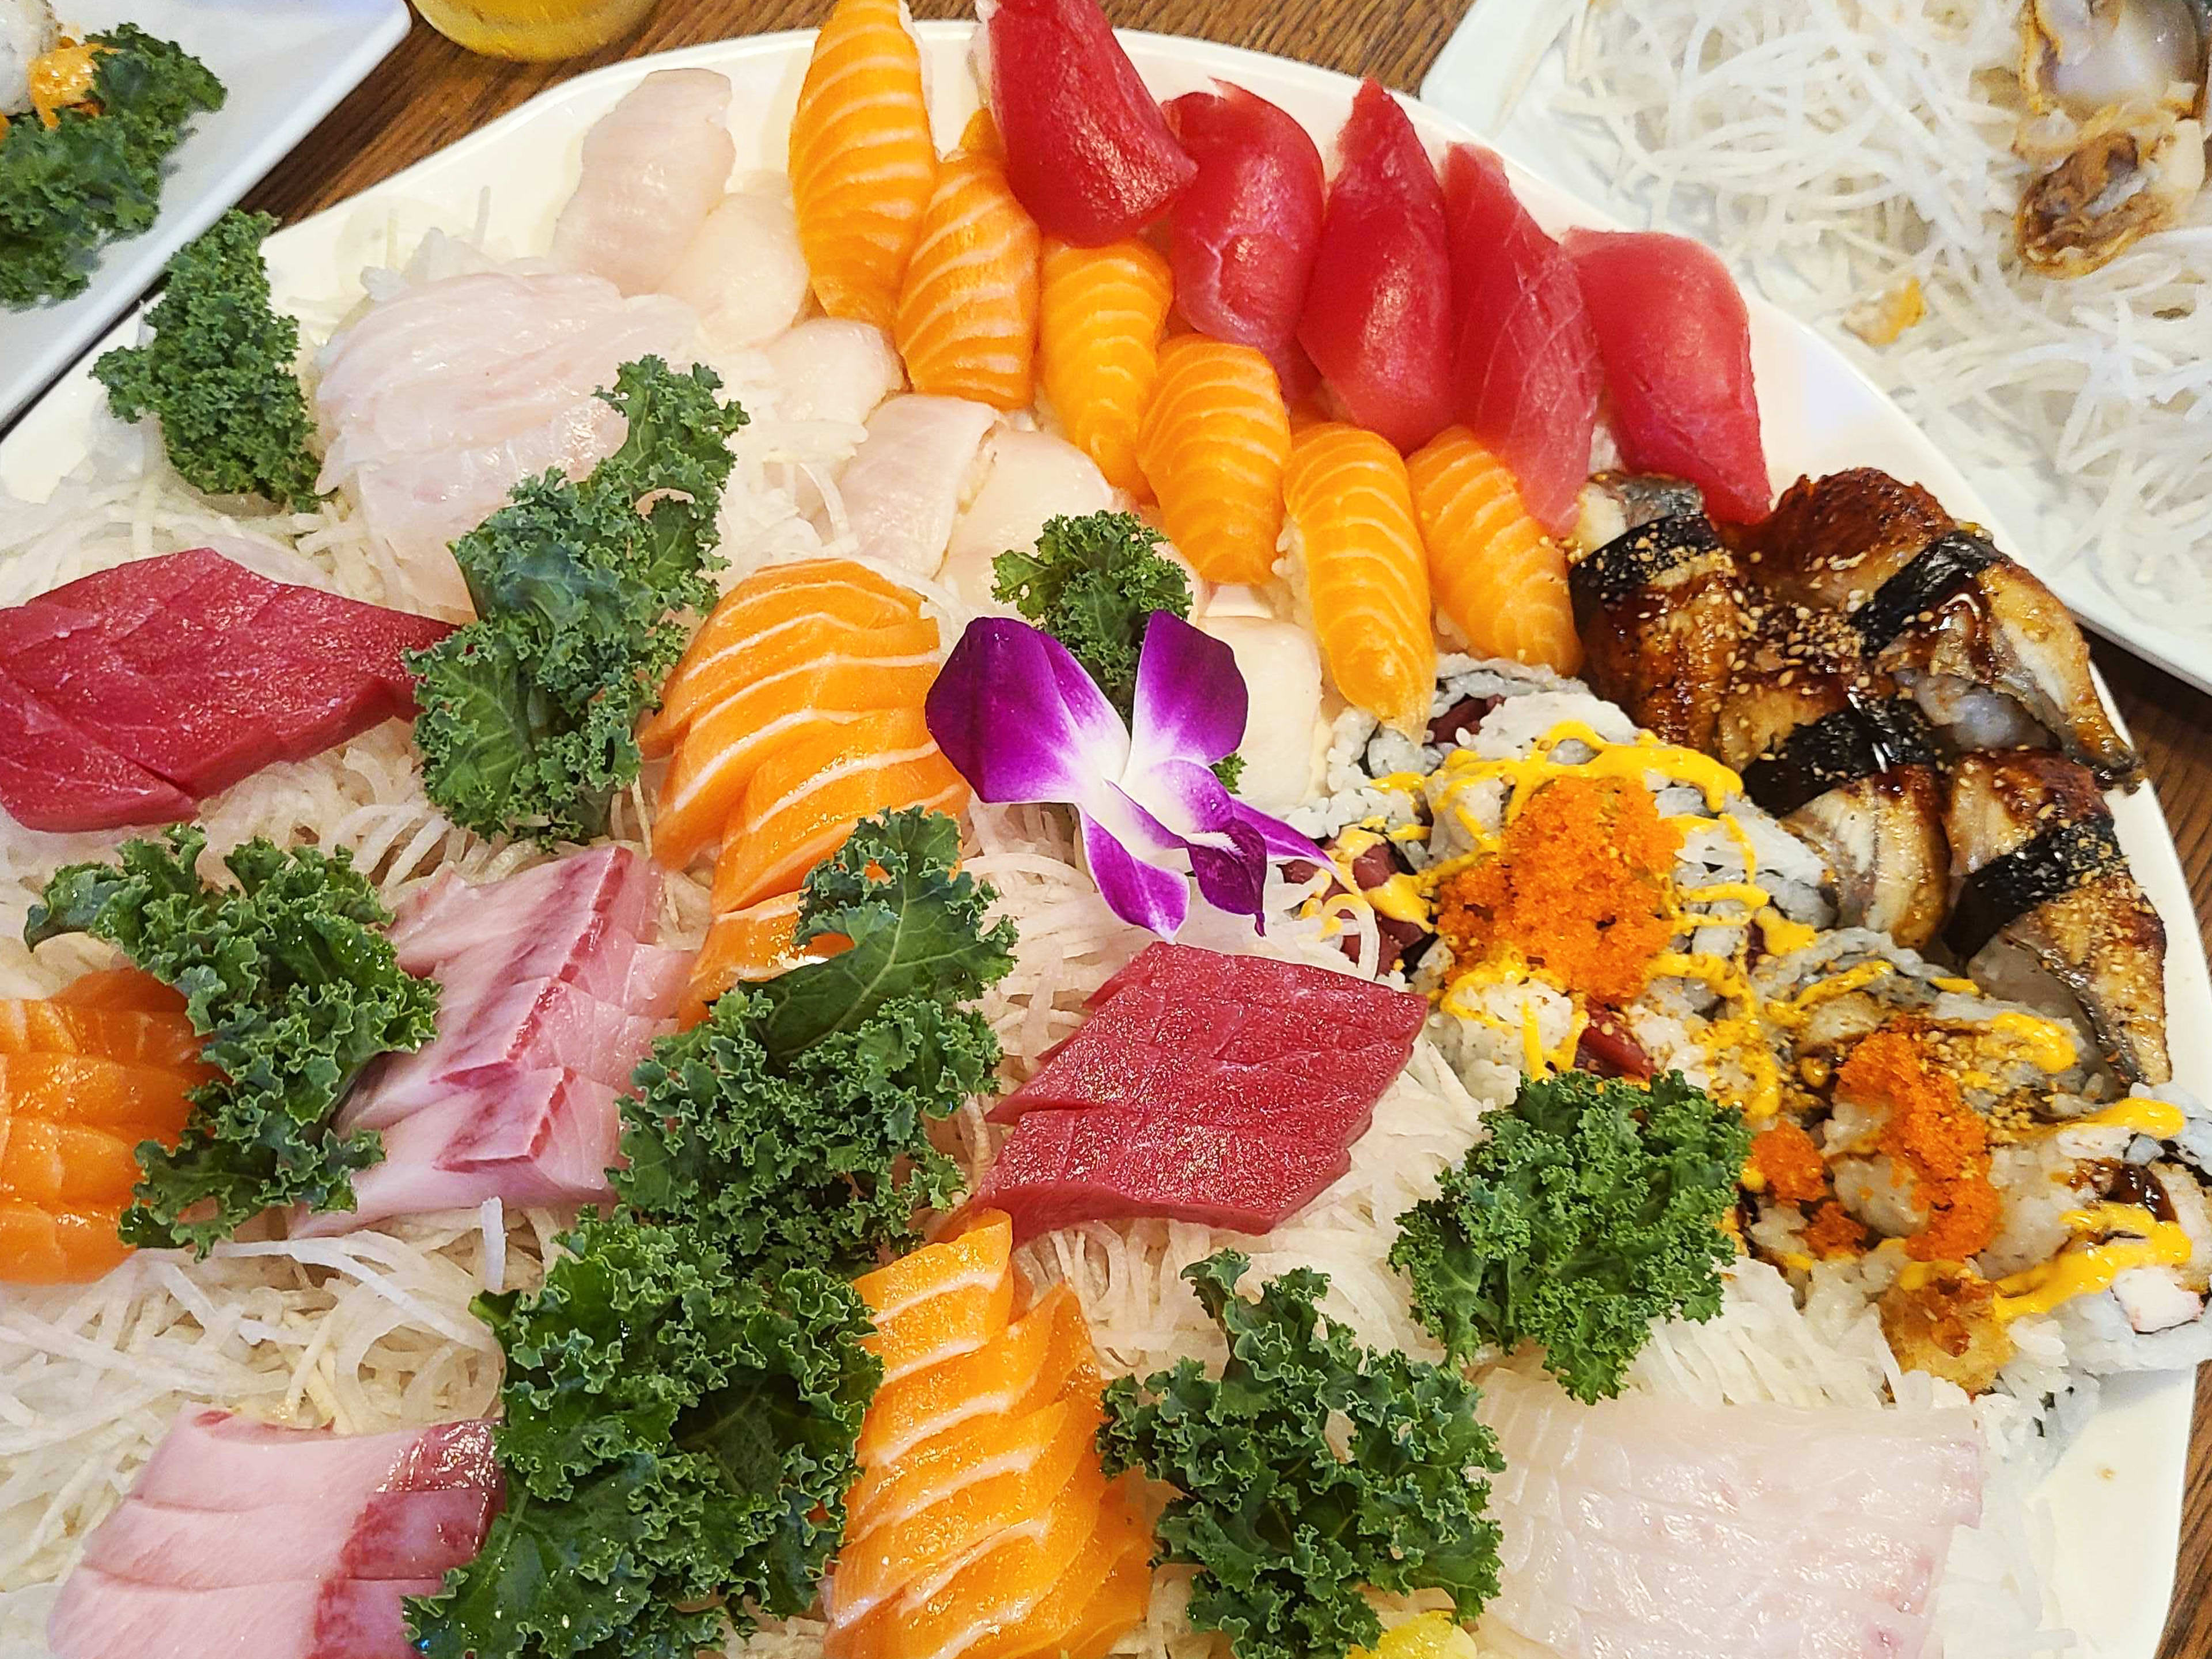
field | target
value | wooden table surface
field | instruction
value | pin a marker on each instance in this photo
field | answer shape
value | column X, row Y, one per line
column 430, row 92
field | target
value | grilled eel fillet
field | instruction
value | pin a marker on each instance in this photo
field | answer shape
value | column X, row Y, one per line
column 1934, row 600
column 1661, row 612
column 2032, row 837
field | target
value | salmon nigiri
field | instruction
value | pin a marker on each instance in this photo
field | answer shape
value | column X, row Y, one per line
column 1377, row 315
column 1367, row 577
column 1098, row 343
column 1494, row 572
column 863, row 164
column 1213, row 446
column 804, row 799
column 967, row 320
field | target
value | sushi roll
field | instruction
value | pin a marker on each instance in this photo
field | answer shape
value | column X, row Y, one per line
column 1660, row 611
column 27, row 30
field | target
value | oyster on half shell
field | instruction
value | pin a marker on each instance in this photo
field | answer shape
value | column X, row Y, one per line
column 2115, row 92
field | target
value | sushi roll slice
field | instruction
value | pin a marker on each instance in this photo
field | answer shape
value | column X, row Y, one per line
column 1661, row 611
column 1826, row 742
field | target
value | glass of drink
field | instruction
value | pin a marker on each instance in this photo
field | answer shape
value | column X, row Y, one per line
column 538, row 30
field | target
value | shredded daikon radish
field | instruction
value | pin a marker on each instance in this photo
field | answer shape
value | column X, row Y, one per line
column 1835, row 151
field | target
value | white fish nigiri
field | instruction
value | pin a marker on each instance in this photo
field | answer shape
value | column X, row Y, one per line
column 1034, row 477
column 437, row 400
column 26, row 30
column 1281, row 666
column 654, row 167
column 1659, row 1527
column 743, row 272
column 905, row 484
column 831, row 368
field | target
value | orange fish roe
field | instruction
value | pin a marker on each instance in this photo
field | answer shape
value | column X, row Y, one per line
column 1785, row 1158
column 1933, row 1136
column 1581, row 887
column 1833, row 1232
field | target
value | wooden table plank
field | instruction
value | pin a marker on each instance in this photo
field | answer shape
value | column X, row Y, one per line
column 430, row 92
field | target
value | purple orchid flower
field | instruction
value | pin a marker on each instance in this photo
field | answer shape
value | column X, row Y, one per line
column 1022, row 720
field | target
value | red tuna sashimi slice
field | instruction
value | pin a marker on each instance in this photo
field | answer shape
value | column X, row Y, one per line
column 1526, row 372
column 1675, row 338
column 529, row 1026
column 1377, row 317
column 380, row 638
column 1242, row 236
column 213, row 1459
column 54, row 776
column 393, row 1534
column 528, row 1137
column 98, row 1616
column 1060, row 1167
column 1088, row 153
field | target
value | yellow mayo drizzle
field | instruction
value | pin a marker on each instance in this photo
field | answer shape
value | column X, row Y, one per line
column 2154, row 1118
column 2086, row 1270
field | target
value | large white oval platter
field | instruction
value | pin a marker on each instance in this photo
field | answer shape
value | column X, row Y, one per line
column 2115, row 1496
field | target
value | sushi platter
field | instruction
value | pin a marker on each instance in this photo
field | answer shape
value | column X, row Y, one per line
column 724, row 919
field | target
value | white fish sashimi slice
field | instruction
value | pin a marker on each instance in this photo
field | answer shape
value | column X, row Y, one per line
column 439, row 399
column 905, row 484
column 829, row 368
column 743, row 272
column 1033, row 476
column 1658, row 1526
column 654, row 167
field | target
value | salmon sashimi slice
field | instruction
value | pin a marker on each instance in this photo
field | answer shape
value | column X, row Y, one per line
column 967, row 323
column 942, row 1301
column 1010, row 1476
column 1023, row 1371
column 1102, row 313
column 52, row 1027
column 147, row 1102
column 1495, row 573
column 862, row 162
column 984, row 1607
column 127, row 989
column 775, row 624
column 1123, row 1546
column 67, row 1245
column 804, row 799
column 1213, row 446
column 757, row 943
column 725, row 745
column 1347, row 495
column 49, row 1163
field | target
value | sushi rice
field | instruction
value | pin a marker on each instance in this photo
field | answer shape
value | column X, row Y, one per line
column 373, row 1330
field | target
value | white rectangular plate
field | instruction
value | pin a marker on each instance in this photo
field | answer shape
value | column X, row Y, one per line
column 284, row 64
column 1500, row 73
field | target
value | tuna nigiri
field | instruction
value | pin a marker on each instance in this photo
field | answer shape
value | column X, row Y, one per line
column 1212, row 446
column 1243, row 236
column 1087, row 149
column 655, row 165
column 863, row 164
column 1377, row 314
column 967, row 320
column 1348, row 497
column 1676, row 339
column 1525, row 371
column 1104, row 310
column 1497, row 575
